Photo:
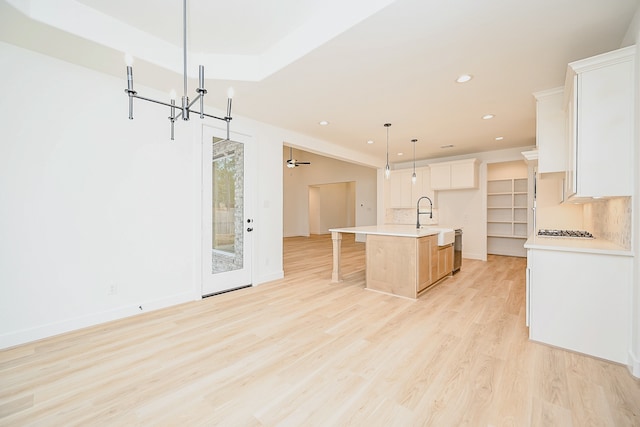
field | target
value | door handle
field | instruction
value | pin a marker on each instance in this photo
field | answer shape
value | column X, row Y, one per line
column 249, row 229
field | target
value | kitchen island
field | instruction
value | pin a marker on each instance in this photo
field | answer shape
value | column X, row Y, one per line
column 401, row 260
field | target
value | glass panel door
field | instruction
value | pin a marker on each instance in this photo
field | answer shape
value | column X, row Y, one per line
column 227, row 231
column 227, row 213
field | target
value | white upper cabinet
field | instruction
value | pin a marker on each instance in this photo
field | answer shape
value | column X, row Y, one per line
column 550, row 131
column 400, row 190
column 454, row 175
column 600, row 119
column 403, row 193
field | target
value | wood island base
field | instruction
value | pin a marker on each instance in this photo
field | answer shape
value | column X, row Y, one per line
column 400, row 265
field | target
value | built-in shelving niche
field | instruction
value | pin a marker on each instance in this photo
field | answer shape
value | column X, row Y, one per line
column 507, row 210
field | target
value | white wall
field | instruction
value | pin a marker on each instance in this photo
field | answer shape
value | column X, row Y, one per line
column 507, row 170
column 91, row 201
column 331, row 206
column 550, row 211
column 324, row 170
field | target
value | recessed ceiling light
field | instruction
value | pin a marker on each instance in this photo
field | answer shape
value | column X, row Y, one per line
column 463, row 78
column 323, row 123
column 488, row 116
column 370, row 141
column 400, row 154
column 499, row 138
column 447, row 146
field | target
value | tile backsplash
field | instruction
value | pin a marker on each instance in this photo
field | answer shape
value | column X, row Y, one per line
column 408, row 216
column 610, row 220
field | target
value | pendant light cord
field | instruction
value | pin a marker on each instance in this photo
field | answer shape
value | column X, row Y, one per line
column 387, row 146
column 414, row 177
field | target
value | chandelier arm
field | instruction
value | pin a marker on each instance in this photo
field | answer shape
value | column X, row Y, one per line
column 152, row 100
column 194, row 101
column 224, row 119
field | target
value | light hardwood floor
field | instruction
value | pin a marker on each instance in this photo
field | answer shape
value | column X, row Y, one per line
column 303, row 351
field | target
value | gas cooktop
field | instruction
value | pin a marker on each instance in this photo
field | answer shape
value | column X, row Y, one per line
column 565, row 233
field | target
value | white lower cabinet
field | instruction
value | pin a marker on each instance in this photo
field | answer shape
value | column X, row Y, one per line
column 580, row 301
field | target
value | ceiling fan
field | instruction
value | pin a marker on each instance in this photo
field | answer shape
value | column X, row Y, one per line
column 292, row 163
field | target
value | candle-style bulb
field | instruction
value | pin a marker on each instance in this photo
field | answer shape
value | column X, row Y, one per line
column 128, row 59
column 230, row 94
column 172, row 94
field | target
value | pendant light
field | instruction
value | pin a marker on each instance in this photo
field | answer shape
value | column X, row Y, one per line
column 387, row 170
column 414, row 177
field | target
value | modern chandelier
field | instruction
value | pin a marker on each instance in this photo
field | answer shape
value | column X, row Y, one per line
column 186, row 104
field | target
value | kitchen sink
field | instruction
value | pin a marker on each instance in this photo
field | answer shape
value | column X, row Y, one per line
column 446, row 236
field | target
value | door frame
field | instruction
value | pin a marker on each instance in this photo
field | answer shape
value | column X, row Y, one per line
column 206, row 132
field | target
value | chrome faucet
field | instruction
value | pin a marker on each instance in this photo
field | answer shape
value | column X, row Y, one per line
column 418, row 213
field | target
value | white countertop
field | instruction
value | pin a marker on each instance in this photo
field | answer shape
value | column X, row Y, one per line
column 394, row 230
column 596, row 246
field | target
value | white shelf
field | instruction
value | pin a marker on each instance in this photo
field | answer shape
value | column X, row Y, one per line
column 507, row 215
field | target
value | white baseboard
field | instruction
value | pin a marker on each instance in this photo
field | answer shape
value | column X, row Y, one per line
column 481, row 257
column 23, row 336
column 269, row 277
column 634, row 364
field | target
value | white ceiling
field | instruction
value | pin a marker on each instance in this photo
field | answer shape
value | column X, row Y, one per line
column 355, row 63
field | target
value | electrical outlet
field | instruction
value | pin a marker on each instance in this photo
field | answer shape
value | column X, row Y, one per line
column 113, row 289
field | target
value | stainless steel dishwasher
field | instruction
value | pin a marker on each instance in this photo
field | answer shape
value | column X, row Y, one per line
column 457, row 251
